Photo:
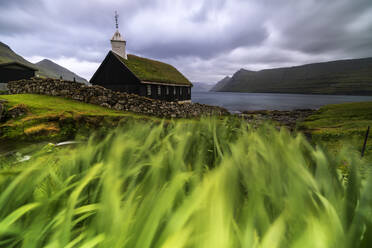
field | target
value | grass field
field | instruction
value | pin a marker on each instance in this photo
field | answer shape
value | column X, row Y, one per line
column 187, row 184
column 340, row 124
column 42, row 104
column 164, row 183
column 56, row 118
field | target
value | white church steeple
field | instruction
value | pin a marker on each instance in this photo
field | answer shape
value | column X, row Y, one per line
column 118, row 44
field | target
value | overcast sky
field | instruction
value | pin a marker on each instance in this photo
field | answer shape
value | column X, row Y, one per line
column 205, row 39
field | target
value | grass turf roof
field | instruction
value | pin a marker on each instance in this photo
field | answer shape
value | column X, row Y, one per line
column 154, row 71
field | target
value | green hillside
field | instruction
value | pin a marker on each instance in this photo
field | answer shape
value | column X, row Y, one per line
column 55, row 118
column 344, row 77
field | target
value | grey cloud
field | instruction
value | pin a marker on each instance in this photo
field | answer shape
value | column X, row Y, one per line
column 324, row 27
column 207, row 6
column 205, row 39
column 205, row 47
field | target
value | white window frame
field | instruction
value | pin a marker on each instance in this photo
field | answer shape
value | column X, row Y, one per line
column 148, row 89
column 159, row 90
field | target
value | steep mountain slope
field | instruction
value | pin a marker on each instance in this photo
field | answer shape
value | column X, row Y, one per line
column 8, row 55
column 45, row 69
column 346, row 77
column 59, row 70
column 221, row 84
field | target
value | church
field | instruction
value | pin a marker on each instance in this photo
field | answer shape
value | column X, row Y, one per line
column 124, row 72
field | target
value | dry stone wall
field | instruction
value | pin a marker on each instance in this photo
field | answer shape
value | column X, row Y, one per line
column 115, row 100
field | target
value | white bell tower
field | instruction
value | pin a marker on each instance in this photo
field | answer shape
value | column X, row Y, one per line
column 118, row 44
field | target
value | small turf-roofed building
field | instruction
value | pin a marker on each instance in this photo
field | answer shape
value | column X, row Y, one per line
column 124, row 72
column 14, row 71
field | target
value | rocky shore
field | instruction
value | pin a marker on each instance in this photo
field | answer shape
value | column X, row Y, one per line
column 110, row 99
column 288, row 119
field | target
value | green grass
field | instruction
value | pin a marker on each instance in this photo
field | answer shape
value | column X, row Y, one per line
column 42, row 104
column 188, row 184
column 340, row 124
column 154, row 71
column 56, row 119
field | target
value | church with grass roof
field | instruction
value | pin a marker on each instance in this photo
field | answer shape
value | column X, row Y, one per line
column 124, row 72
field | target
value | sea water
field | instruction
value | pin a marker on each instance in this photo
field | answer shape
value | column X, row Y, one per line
column 237, row 102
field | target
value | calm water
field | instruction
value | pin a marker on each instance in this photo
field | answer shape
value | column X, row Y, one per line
column 235, row 102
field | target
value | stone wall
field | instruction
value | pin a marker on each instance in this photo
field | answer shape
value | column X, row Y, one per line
column 115, row 100
column 3, row 86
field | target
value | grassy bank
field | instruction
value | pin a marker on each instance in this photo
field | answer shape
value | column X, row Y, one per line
column 56, row 118
column 188, row 184
column 44, row 105
column 336, row 125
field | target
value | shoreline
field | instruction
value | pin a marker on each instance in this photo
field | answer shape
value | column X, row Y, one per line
column 284, row 93
column 286, row 118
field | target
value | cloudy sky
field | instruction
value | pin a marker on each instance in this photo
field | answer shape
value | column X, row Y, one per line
column 205, row 39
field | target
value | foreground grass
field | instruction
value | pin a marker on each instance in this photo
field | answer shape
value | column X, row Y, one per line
column 188, row 184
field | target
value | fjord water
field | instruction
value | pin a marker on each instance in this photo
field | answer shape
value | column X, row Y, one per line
column 236, row 102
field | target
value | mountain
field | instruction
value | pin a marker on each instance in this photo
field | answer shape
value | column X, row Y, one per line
column 48, row 65
column 220, row 84
column 201, row 87
column 342, row 77
column 8, row 55
column 45, row 69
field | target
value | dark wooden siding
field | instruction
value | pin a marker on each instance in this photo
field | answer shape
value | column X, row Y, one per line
column 182, row 92
column 14, row 74
column 112, row 74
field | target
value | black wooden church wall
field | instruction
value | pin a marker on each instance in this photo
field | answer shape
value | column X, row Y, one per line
column 113, row 75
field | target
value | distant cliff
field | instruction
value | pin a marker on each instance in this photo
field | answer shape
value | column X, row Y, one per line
column 221, row 84
column 343, row 77
column 201, row 87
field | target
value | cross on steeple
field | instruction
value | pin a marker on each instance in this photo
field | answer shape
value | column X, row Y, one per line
column 116, row 20
column 118, row 43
